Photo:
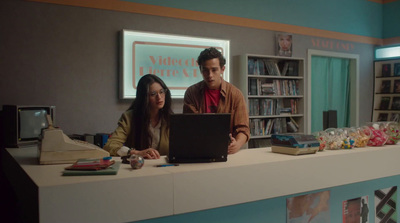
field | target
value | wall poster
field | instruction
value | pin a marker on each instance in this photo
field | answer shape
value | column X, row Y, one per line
column 355, row 210
column 309, row 208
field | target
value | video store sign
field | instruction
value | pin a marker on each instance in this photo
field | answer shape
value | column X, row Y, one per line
column 172, row 58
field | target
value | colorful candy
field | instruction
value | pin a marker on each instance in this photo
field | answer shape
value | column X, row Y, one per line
column 373, row 134
column 363, row 136
column 392, row 130
column 378, row 135
column 320, row 136
column 136, row 161
column 348, row 144
column 348, row 137
column 334, row 139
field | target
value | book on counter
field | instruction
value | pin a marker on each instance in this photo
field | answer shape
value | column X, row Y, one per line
column 91, row 164
column 95, row 166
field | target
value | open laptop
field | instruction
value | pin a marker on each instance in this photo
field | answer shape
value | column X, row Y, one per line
column 197, row 138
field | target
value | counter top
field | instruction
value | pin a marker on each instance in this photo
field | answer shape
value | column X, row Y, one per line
column 249, row 175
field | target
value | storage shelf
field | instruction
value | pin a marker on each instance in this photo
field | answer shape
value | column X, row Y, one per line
column 276, row 116
column 275, row 96
column 268, row 90
column 386, row 106
column 275, row 77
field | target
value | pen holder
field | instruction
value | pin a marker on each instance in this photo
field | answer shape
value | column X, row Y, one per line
column 136, row 161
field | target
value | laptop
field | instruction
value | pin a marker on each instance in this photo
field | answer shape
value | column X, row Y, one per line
column 199, row 138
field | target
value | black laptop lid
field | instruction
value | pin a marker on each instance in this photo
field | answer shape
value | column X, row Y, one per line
column 199, row 137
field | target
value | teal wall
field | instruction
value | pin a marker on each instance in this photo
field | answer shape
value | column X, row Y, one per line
column 274, row 210
column 359, row 17
column 391, row 20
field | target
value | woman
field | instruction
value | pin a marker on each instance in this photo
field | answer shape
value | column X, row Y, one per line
column 144, row 128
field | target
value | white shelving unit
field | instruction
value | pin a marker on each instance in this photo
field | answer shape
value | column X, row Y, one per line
column 274, row 91
column 386, row 90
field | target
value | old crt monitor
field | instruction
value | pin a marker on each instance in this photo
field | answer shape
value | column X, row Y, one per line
column 22, row 124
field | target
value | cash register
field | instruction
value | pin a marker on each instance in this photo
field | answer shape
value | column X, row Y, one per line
column 57, row 148
column 294, row 144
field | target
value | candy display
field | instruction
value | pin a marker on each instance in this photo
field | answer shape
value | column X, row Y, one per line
column 349, row 136
column 136, row 161
column 371, row 134
column 378, row 135
column 334, row 138
column 320, row 136
column 392, row 130
column 363, row 134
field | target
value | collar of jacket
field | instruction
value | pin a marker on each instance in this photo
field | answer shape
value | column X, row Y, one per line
column 223, row 87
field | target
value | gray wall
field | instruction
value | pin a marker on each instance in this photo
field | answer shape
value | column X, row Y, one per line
column 69, row 57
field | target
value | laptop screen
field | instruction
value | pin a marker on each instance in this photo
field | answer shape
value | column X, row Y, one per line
column 199, row 137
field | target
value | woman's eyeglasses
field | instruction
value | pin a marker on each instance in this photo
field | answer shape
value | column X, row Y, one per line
column 155, row 93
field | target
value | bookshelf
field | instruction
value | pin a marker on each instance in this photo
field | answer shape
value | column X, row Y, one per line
column 273, row 87
column 386, row 90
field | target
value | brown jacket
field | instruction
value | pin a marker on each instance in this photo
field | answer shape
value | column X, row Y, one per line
column 231, row 101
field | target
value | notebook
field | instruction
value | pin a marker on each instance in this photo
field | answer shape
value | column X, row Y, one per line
column 198, row 138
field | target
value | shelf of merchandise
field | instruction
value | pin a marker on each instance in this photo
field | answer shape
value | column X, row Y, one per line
column 386, row 90
column 244, row 75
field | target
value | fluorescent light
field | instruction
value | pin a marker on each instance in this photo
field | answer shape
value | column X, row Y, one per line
column 387, row 52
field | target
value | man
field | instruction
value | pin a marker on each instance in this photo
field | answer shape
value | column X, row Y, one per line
column 215, row 95
column 364, row 211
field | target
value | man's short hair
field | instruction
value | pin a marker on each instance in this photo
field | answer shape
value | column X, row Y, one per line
column 208, row 54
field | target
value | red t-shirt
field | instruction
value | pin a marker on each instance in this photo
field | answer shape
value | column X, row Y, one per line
column 212, row 100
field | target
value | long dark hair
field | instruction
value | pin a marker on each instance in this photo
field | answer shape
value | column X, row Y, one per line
column 140, row 136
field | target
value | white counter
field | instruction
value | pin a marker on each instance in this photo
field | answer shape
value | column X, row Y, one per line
column 250, row 175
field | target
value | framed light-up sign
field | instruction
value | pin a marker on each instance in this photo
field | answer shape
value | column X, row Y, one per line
column 170, row 57
column 387, row 52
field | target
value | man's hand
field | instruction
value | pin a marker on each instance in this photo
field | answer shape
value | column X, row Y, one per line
column 237, row 143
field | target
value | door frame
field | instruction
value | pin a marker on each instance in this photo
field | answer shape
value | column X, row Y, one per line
column 354, row 83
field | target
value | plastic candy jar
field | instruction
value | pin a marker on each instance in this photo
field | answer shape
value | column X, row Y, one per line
column 378, row 135
column 392, row 130
column 350, row 134
column 334, row 139
column 321, row 137
column 364, row 134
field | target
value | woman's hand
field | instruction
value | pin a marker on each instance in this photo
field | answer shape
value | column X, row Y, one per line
column 149, row 153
